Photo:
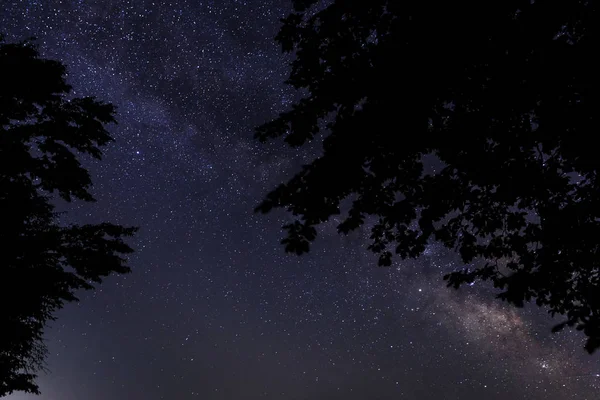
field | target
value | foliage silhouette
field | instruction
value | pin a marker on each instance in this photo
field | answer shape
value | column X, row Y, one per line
column 45, row 263
column 501, row 95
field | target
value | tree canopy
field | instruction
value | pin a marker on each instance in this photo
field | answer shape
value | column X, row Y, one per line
column 468, row 123
column 43, row 263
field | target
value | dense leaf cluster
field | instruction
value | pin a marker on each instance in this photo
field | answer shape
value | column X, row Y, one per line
column 42, row 263
column 502, row 95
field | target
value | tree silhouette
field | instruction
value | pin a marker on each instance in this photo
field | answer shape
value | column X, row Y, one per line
column 464, row 122
column 44, row 263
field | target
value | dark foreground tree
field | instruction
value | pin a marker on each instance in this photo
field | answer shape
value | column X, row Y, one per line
column 499, row 99
column 42, row 263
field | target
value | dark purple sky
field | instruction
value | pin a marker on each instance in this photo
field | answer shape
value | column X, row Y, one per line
column 214, row 308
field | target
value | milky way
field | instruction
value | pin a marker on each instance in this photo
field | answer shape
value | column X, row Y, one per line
column 214, row 308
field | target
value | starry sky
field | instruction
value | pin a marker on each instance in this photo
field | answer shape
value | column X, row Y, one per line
column 214, row 308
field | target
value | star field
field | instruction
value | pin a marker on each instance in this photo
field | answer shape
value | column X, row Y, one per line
column 214, row 308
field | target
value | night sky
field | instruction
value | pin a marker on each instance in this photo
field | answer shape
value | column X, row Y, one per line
column 214, row 308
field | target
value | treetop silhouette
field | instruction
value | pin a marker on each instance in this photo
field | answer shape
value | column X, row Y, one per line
column 502, row 95
column 44, row 263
